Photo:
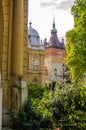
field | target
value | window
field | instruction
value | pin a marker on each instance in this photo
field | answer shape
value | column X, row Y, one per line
column 35, row 63
column 60, row 54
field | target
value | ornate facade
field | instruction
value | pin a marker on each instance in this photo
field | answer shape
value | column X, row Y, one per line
column 13, row 57
column 36, row 50
column 54, row 57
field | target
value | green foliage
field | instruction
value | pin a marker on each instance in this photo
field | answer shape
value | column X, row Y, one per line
column 35, row 90
column 64, row 108
column 76, row 41
column 26, row 118
column 69, row 107
column 43, row 107
column 34, row 115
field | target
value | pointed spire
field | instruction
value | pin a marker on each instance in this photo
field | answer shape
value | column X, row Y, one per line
column 54, row 30
column 45, row 38
column 53, row 21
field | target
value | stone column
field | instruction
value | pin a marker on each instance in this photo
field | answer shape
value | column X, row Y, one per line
column 18, row 38
column 30, row 61
column 42, row 61
column 24, row 91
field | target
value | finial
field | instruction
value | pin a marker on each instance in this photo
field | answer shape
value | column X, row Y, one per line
column 53, row 21
column 30, row 23
column 62, row 39
column 45, row 38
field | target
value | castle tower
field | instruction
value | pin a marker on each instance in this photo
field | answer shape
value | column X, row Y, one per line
column 54, row 56
column 35, row 57
column 13, row 57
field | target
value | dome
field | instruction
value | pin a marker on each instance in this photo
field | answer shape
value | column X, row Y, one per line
column 32, row 32
column 33, row 37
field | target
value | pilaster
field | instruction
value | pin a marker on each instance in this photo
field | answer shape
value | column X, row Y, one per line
column 18, row 38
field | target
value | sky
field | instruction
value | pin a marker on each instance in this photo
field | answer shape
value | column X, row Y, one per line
column 42, row 12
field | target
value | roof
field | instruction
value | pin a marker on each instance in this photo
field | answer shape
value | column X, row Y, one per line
column 32, row 32
column 54, row 41
column 33, row 37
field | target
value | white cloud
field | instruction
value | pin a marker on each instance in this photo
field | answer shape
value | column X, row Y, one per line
column 58, row 4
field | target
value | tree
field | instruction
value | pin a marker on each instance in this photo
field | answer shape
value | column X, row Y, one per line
column 69, row 109
column 76, row 41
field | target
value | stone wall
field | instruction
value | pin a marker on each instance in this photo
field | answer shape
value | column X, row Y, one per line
column 13, row 55
column 39, row 74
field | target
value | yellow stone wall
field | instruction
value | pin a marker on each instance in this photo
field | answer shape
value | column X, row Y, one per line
column 38, row 74
column 1, row 32
column 25, row 38
column 13, row 52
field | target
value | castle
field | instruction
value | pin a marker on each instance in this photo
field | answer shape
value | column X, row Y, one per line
column 54, row 60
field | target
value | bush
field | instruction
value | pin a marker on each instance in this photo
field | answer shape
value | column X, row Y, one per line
column 64, row 108
column 26, row 117
column 69, row 107
column 36, row 91
column 31, row 115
